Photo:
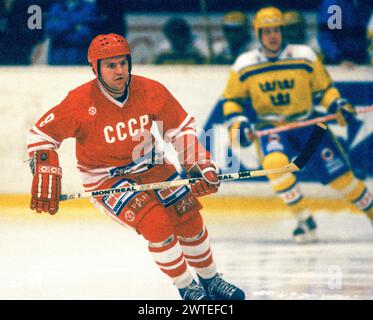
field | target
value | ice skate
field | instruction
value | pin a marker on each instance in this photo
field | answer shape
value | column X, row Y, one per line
column 305, row 232
column 219, row 289
column 194, row 292
column 370, row 216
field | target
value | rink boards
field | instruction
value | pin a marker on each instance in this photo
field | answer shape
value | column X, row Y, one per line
column 197, row 88
column 224, row 204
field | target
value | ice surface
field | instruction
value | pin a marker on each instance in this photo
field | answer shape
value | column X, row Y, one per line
column 44, row 257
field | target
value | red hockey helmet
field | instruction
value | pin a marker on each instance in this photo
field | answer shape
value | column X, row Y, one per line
column 107, row 46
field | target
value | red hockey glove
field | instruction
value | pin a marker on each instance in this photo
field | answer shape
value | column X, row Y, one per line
column 46, row 184
column 344, row 111
column 196, row 161
column 210, row 183
column 208, row 171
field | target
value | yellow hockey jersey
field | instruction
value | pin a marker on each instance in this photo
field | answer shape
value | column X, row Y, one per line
column 281, row 89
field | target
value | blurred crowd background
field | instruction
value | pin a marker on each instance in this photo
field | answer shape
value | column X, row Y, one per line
column 179, row 31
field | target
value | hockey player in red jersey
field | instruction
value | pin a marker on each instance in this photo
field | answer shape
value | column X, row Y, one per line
column 110, row 118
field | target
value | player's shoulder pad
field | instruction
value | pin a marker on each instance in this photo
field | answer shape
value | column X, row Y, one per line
column 247, row 59
column 148, row 87
column 300, row 51
column 140, row 81
column 81, row 93
column 79, row 100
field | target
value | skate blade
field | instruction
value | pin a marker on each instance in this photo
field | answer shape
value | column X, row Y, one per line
column 309, row 237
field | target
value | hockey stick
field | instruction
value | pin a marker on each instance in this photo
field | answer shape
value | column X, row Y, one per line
column 301, row 124
column 298, row 164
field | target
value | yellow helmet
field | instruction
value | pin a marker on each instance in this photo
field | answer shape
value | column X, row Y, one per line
column 292, row 17
column 235, row 19
column 267, row 18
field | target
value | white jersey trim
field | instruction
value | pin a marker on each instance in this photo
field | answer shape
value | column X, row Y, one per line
column 290, row 52
column 173, row 133
column 110, row 98
column 44, row 136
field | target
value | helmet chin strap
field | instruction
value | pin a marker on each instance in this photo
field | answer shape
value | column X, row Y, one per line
column 275, row 52
column 272, row 51
column 114, row 92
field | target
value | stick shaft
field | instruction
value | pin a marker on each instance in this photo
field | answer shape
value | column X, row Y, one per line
column 296, row 165
column 178, row 183
column 306, row 123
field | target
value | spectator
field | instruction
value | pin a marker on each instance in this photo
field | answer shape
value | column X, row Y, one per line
column 370, row 37
column 16, row 39
column 295, row 31
column 295, row 27
column 113, row 18
column 70, row 25
column 237, row 36
column 347, row 45
column 182, row 48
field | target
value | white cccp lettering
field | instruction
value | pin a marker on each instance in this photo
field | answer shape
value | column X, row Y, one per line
column 107, row 131
column 121, row 131
column 120, row 128
column 131, row 131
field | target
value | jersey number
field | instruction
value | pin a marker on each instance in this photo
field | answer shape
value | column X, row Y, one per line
column 49, row 118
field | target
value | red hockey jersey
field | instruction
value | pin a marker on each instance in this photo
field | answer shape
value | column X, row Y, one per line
column 111, row 135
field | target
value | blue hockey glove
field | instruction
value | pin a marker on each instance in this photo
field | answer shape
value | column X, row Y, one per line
column 344, row 111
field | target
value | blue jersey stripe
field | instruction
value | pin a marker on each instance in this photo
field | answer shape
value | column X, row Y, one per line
column 300, row 66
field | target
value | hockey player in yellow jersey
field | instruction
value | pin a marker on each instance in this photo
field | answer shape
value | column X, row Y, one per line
column 280, row 83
